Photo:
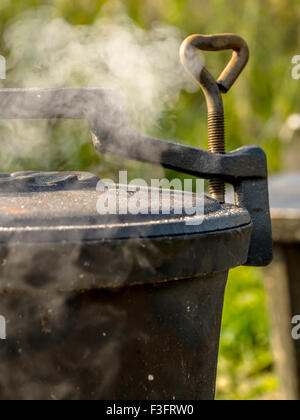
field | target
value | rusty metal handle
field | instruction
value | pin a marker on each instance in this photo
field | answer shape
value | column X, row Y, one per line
column 212, row 89
column 219, row 42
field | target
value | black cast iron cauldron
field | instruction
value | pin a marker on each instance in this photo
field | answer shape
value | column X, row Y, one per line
column 119, row 306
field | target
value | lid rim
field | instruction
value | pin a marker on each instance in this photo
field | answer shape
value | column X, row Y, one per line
column 122, row 263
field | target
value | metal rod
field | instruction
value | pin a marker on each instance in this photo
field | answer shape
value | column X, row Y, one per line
column 212, row 89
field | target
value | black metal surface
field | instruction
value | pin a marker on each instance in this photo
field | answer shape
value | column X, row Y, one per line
column 137, row 318
column 59, row 207
column 104, row 111
column 55, row 219
column 36, row 182
column 118, row 307
column 261, row 246
column 137, row 343
column 104, row 317
column 77, row 265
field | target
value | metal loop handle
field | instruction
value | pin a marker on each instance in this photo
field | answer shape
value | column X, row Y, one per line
column 219, row 42
column 212, row 89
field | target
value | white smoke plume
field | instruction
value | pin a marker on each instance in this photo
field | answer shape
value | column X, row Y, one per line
column 48, row 52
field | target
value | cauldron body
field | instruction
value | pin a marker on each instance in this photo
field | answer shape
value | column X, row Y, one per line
column 110, row 309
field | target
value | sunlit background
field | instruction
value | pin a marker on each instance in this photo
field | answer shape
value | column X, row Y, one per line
column 42, row 49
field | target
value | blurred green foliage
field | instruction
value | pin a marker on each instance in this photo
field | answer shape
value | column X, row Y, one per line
column 256, row 109
column 246, row 368
column 261, row 100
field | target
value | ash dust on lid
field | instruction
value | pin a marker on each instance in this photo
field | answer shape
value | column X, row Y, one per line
column 62, row 207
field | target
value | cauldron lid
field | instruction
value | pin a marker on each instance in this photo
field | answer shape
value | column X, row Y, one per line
column 62, row 207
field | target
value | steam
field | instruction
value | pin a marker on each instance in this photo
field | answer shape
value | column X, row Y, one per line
column 48, row 52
